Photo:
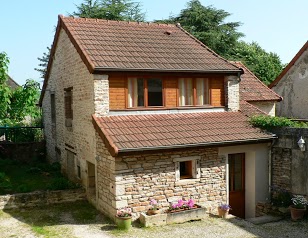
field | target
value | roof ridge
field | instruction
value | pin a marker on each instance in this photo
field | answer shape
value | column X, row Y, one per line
column 263, row 84
column 85, row 19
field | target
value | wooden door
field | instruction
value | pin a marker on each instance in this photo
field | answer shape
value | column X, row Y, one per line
column 237, row 184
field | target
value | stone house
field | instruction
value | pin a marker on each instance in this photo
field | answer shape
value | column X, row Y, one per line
column 135, row 111
column 292, row 85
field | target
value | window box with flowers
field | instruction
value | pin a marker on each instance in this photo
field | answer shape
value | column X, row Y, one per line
column 124, row 218
column 184, row 211
column 179, row 212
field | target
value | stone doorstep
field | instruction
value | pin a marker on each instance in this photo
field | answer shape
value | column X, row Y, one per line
column 171, row 218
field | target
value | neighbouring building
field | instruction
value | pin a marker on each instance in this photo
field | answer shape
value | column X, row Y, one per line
column 292, row 85
column 135, row 111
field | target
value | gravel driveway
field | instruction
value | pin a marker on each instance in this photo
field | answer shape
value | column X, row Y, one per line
column 81, row 220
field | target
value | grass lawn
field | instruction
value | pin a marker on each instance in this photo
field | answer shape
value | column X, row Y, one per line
column 16, row 177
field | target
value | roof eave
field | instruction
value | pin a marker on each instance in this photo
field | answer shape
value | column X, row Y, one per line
column 223, row 143
column 98, row 70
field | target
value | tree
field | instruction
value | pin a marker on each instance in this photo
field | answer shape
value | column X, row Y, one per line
column 5, row 92
column 17, row 104
column 122, row 10
column 208, row 25
column 266, row 66
column 24, row 101
column 44, row 63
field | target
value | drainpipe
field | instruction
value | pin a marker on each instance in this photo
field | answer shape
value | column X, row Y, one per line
column 270, row 166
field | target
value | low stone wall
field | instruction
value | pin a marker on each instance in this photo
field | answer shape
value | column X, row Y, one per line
column 41, row 198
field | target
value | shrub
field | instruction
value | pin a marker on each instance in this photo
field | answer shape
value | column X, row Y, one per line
column 62, row 183
column 281, row 197
column 5, row 183
column 269, row 122
column 23, row 188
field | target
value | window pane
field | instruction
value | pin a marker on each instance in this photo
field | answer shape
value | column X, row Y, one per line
column 140, row 90
column 202, row 86
column 185, row 92
column 135, row 92
column 155, row 92
column 186, row 169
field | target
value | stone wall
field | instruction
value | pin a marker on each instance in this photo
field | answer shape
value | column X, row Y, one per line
column 138, row 178
column 106, row 189
column 41, row 198
column 293, row 87
column 232, row 96
column 68, row 70
column 268, row 107
column 289, row 163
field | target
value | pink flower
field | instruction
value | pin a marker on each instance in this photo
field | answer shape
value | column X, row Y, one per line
column 153, row 202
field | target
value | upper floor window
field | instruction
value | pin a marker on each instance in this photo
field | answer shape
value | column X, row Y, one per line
column 53, row 107
column 145, row 92
column 68, row 106
column 194, row 92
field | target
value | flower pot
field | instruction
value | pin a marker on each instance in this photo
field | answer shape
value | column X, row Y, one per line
column 124, row 223
column 151, row 212
column 223, row 213
column 297, row 213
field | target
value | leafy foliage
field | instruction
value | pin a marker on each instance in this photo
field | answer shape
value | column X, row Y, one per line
column 266, row 66
column 122, row 10
column 280, row 197
column 269, row 122
column 24, row 100
column 5, row 183
column 16, row 104
column 44, row 62
column 5, row 91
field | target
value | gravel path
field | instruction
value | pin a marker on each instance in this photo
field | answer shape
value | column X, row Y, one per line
column 80, row 220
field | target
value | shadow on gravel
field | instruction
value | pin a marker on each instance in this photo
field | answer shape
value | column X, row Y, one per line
column 75, row 213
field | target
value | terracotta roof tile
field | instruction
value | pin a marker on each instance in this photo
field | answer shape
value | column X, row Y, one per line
column 252, row 89
column 131, row 45
column 175, row 130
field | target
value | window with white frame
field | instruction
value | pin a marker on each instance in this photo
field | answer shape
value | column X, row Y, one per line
column 187, row 168
column 194, row 92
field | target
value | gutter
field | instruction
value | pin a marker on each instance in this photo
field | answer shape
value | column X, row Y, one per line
column 139, row 149
column 97, row 70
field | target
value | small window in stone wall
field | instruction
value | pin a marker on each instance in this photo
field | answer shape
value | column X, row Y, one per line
column 187, row 168
column 53, row 107
column 78, row 169
column 68, row 106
